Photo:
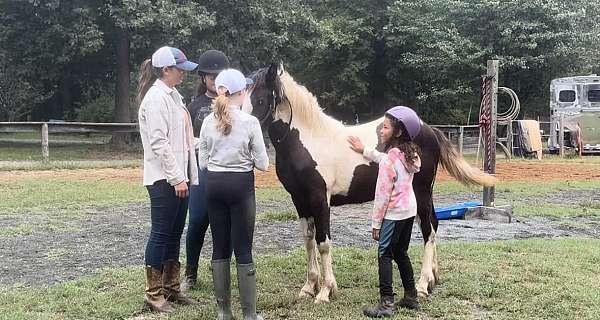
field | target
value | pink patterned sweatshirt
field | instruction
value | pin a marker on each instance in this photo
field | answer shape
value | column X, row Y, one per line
column 394, row 195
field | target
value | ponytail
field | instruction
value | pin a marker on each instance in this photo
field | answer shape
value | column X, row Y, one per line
column 221, row 110
column 148, row 74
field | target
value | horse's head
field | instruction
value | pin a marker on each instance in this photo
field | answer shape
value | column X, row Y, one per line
column 265, row 94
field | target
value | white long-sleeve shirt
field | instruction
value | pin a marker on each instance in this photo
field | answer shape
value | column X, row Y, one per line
column 165, row 129
column 242, row 150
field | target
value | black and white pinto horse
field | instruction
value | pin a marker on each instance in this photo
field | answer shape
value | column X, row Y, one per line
column 316, row 166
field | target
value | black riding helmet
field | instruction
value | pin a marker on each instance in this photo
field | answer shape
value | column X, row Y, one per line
column 212, row 62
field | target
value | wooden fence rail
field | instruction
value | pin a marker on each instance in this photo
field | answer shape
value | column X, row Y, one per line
column 44, row 128
column 463, row 136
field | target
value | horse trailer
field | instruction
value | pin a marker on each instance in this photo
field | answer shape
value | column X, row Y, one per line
column 575, row 101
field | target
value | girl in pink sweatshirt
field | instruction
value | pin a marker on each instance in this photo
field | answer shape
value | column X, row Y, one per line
column 394, row 209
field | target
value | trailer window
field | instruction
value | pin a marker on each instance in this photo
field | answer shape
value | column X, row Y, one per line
column 594, row 95
column 566, row 96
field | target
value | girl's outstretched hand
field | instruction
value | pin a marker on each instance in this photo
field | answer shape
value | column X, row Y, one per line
column 356, row 144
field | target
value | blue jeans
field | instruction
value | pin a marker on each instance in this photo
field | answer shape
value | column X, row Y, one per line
column 167, row 212
column 198, row 222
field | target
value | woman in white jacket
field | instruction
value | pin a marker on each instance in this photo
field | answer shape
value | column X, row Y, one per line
column 169, row 167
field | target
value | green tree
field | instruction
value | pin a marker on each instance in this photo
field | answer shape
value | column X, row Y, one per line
column 442, row 47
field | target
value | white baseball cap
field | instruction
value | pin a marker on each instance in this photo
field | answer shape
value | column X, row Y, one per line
column 233, row 80
column 169, row 56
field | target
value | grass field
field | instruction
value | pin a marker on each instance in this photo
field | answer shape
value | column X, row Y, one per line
column 526, row 279
column 74, row 193
column 518, row 279
column 26, row 146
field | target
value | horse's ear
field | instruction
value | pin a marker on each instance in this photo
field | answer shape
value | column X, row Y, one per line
column 281, row 69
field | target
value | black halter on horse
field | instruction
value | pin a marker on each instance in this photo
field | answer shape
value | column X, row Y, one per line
column 272, row 109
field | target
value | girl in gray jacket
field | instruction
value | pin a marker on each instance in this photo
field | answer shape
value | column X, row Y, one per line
column 231, row 146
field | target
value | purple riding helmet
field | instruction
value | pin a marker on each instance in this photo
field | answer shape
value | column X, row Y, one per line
column 409, row 118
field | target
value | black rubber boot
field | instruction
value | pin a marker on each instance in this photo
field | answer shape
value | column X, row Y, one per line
column 246, row 274
column 222, row 287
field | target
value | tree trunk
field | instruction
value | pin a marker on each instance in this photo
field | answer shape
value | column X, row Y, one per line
column 123, row 86
column 66, row 98
column 379, row 77
column 122, row 96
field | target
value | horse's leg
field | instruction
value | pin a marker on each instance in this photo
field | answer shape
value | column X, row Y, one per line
column 436, row 267
column 428, row 226
column 322, row 224
column 312, row 273
column 329, row 287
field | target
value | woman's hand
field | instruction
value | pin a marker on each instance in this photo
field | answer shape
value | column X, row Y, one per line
column 181, row 190
column 356, row 144
column 375, row 234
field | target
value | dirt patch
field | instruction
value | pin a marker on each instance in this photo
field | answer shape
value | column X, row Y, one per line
column 540, row 171
column 116, row 236
column 506, row 171
column 263, row 179
column 127, row 174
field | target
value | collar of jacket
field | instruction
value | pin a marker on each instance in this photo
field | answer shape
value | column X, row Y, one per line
column 163, row 86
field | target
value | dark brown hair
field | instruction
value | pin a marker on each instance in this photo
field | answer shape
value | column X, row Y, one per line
column 201, row 89
column 148, row 74
column 401, row 140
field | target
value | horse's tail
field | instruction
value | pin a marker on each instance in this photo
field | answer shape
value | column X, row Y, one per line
column 458, row 167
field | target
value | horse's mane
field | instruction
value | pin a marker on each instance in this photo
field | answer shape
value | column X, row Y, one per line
column 304, row 105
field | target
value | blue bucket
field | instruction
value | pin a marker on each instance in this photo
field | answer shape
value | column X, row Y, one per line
column 456, row 211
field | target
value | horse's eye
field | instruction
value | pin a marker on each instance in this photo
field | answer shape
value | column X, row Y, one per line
column 260, row 101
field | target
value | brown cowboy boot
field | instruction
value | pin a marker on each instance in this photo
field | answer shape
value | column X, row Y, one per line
column 171, row 284
column 410, row 300
column 153, row 295
column 190, row 279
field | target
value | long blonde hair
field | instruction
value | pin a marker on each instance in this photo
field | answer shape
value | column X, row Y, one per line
column 148, row 74
column 221, row 110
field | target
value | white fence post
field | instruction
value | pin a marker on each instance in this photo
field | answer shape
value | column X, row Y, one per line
column 45, row 148
column 461, row 136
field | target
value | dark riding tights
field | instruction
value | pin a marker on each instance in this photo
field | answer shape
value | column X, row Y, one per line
column 232, row 212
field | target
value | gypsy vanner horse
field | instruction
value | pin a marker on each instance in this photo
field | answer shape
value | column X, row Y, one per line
column 316, row 166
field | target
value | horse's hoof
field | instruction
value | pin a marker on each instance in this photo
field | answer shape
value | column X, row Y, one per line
column 430, row 288
column 422, row 290
column 334, row 291
column 304, row 294
column 322, row 298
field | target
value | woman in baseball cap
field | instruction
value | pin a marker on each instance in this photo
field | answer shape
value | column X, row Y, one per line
column 231, row 146
column 169, row 167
